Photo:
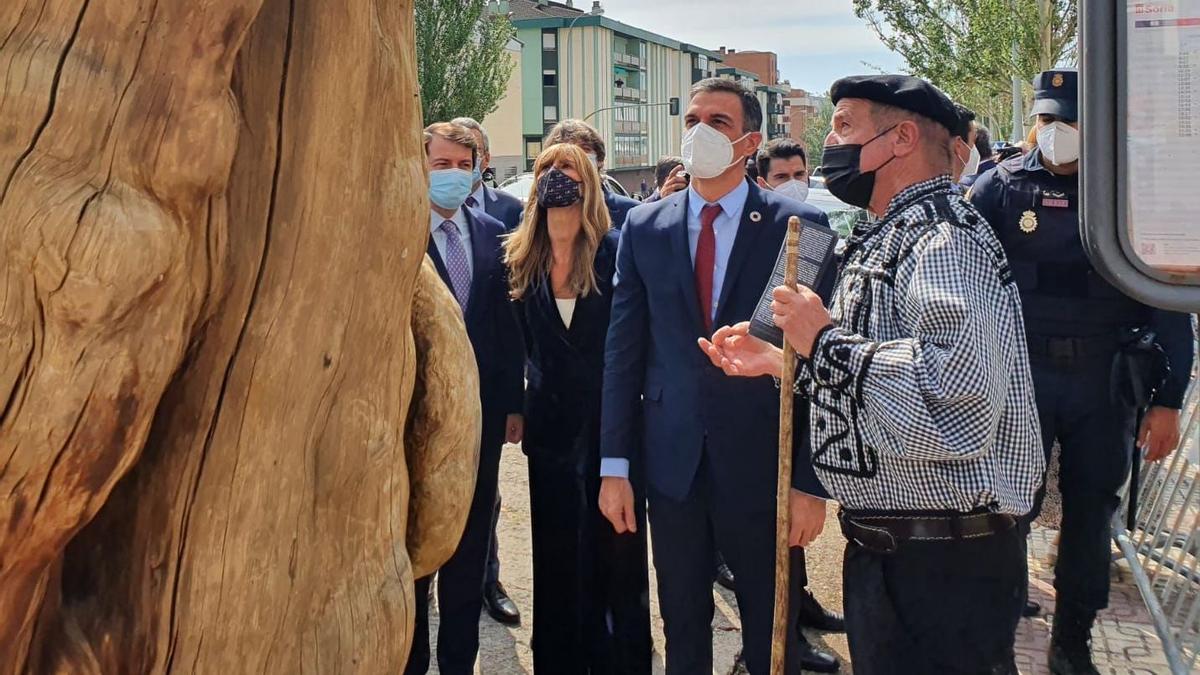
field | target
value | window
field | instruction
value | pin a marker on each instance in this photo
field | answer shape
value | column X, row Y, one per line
column 533, row 148
column 549, row 40
column 549, row 112
column 549, row 78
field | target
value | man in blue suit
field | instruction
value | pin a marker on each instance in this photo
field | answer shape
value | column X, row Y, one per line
column 588, row 139
column 465, row 247
column 508, row 210
column 496, row 203
column 697, row 259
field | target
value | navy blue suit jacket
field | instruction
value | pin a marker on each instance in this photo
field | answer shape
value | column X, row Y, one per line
column 491, row 325
column 503, row 207
column 692, row 409
column 618, row 207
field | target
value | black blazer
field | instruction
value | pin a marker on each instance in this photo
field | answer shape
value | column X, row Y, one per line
column 565, row 366
column 491, row 326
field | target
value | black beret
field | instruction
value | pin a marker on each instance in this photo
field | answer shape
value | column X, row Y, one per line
column 901, row 91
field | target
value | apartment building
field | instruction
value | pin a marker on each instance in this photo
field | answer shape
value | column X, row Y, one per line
column 620, row 78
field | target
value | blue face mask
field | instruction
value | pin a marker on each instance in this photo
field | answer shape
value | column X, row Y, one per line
column 476, row 176
column 449, row 188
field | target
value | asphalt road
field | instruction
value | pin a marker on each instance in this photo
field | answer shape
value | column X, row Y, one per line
column 505, row 651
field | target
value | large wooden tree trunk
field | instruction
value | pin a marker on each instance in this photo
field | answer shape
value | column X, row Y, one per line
column 234, row 397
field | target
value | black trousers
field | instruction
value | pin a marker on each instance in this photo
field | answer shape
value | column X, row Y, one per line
column 459, row 580
column 492, row 572
column 936, row 607
column 686, row 535
column 1096, row 439
column 591, row 596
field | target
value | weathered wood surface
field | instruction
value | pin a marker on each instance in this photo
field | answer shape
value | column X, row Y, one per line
column 212, row 223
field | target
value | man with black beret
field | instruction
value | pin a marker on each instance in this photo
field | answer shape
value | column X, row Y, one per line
column 923, row 419
column 1077, row 327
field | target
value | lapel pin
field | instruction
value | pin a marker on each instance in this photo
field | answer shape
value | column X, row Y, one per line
column 755, row 216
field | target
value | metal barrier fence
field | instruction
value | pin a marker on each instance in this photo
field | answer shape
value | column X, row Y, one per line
column 1163, row 550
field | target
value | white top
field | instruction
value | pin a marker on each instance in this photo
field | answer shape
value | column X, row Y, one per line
column 566, row 309
column 439, row 237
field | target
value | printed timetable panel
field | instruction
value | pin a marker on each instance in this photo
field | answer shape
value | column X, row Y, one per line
column 1163, row 133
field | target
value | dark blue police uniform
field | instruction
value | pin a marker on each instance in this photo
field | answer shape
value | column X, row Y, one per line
column 1074, row 321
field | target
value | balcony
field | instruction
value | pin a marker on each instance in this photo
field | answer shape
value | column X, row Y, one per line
column 621, row 161
column 629, row 94
column 629, row 60
column 629, row 127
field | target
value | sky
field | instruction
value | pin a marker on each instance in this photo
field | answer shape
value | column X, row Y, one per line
column 817, row 41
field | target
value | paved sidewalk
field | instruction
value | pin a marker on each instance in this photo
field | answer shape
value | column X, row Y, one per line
column 1124, row 640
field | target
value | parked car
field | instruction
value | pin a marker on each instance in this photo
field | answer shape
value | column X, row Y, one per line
column 518, row 186
column 842, row 216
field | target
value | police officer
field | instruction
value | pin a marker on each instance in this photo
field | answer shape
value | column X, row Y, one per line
column 1081, row 332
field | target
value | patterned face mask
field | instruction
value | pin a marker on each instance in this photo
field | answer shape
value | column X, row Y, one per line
column 556, row 190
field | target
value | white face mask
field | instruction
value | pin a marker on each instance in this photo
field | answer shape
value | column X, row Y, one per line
column 707, row 152
column 972, row 166
column 793, row 189
column 1059, row 143
column 592, row 158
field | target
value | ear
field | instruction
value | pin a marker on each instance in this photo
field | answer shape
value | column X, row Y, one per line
column 751, row 143
column 907, row 138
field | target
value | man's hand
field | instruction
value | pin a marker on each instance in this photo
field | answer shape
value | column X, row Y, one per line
column 674, row 182
column 514, row 428
column 734, row 350
column 808, row 518
column 801, row 315
column 1159, row 435
column 616, row 503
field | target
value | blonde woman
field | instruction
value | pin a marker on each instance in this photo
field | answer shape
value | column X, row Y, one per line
column 590, row 585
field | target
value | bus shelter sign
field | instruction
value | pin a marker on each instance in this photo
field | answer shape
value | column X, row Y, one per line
column 1162, row 79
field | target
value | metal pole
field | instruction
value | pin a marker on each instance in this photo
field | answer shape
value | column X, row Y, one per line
column 783, row 485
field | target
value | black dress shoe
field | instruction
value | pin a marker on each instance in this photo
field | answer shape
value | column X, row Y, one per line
column 725, row 576
column 499, row 606
column 813, row 615
column 815, row 660
column 1031, row 609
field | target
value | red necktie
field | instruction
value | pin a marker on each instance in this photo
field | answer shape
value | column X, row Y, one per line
column 706, row 260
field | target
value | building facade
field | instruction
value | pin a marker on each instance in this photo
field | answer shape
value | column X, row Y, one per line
column 620, row 79
column 801, row 108
column 504, row 125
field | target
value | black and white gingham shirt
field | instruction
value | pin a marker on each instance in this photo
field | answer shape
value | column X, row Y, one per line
column 922, row 395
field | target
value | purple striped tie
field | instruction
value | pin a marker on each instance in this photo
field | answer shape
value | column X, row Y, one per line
column 456, row 264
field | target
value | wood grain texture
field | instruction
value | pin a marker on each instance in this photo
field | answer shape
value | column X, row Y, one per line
column 783, row 481
column 213, row 220
column 444, row 418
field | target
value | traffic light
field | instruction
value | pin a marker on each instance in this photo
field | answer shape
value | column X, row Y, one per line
column 673, row 106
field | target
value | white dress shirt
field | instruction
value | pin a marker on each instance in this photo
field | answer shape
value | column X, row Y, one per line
column 464, row 233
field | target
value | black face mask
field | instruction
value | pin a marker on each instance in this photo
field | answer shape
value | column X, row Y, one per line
column 844, row 177
column 556, row 190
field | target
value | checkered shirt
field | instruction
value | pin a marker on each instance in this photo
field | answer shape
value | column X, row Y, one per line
column 922, row 395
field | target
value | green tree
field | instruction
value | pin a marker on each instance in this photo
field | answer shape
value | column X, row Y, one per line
column 462, row 64
column 966, row 47
column 816, row 128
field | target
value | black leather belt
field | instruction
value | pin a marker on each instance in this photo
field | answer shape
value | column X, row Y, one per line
column 884, row 534
column 1068, row 348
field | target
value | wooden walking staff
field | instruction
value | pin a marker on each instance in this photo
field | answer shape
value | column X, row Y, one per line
column 783, row 484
